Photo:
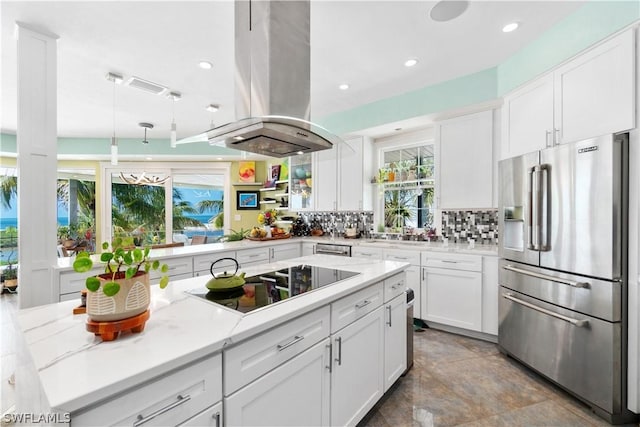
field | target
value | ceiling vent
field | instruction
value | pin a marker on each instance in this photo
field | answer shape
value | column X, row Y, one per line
column 146, row 85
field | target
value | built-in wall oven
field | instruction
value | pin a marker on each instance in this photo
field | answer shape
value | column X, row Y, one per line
column 333, row 249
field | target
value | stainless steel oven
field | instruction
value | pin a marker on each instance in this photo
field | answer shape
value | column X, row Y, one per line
column 333, row 249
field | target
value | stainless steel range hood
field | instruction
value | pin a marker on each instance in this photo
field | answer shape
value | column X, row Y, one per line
column 272, row 82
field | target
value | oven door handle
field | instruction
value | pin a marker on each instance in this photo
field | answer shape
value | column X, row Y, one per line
column 329, row 251
column 574, row 322
column 572, row 283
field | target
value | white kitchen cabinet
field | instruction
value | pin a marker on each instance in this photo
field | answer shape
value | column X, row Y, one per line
column 357, row 377
column 71, row 283
column 297, row 393
column 490, row 292
column 528, row 118
column 355, row 171
column 169, row 400
column 395, row 339
column 413, row 276
column 282, row 252
column 308, row 248
column 595, row 91
column 356, row 305
column 367, row 252
column 590, row 95
column 465, row 159
column 202, row 263
column 210, row 417
column 326, row 179
column 342, row 174
column 247, row 257
column 272, row 348
column 453, row 297
column 179, row 268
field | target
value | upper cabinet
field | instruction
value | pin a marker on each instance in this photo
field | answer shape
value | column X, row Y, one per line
column 341, row 176
column 588, row 96
column 465, row 152
column 301, row 188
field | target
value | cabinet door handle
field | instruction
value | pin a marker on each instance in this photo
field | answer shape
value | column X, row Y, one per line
column 143, row 420
column 329, row 347
column 339, row 342
column 294, row 340
column 547, row 134
column 448, row 261
column 389, row 310
column 556, row 136
column 216, row 417
column 363, row 303
column 394, row 287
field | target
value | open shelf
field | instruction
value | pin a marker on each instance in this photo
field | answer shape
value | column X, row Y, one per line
column 268, row 202
column 247, row 184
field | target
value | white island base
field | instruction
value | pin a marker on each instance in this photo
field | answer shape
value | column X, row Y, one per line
column 321, row 358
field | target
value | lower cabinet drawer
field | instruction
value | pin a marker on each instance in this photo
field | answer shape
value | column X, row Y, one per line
column 70, row 281
column 255, row 357
column 202, row 263
column 170, row 400
column 177, row 267
column 354, row 306
column 252, row 256
column 394, row 286
column 210, row 417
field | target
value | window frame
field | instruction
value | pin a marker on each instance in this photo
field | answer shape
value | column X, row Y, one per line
column 403, row 141
column 165, row 168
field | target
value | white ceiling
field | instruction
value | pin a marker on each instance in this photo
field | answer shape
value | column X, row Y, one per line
column 364, row 43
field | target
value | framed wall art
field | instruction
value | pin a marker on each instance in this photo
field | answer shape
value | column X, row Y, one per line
column 247, row 200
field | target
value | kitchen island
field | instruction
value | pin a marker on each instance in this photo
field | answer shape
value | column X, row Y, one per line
column 172, row 372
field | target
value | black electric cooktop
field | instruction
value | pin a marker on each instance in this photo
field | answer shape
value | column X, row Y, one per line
column 274, row 286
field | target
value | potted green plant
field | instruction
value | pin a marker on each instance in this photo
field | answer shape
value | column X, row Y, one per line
column 123, row 290
column 10, row 276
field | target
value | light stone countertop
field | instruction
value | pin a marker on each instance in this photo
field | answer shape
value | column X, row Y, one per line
column 75, row 369
column 166, row 253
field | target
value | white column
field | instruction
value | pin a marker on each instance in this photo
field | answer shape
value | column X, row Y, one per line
column 37, row 165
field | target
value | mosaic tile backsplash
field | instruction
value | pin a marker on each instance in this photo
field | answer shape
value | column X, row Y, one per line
column 462, row 226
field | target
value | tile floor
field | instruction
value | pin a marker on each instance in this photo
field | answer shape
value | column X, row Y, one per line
column 455, row 381
column 460, row 381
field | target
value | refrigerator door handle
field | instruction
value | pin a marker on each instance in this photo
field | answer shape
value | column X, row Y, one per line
column 531, row 222
column 542, row 276
column 575, row 322
column 544, row 208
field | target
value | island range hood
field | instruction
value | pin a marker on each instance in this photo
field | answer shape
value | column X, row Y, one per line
column 272, row 97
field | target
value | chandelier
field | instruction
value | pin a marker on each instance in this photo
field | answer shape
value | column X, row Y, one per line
column 143, row 178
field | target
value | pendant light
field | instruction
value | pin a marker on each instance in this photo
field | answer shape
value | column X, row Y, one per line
column 115, row 78
column 175, row 96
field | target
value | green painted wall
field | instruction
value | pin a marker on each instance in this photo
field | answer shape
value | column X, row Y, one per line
column 465, row 90
column 591, row 23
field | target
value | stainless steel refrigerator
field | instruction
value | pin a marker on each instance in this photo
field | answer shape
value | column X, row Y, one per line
column 563, row 285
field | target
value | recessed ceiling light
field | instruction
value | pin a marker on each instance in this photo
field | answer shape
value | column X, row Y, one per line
column 446, row 10
column 212, row 108
column 218, row 158
column 238, row 138
column 148, row 158
column 510, row 27
column 300, row 152
column 205, row 65
column 410, row 62
column 343, row 86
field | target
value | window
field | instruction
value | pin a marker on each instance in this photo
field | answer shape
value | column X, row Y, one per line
column 76, row 195
column 407, row 181
column 9, row 216
column 190, row 202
